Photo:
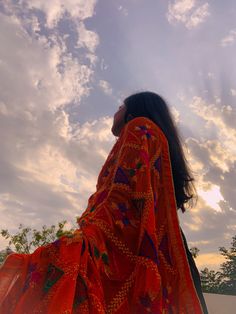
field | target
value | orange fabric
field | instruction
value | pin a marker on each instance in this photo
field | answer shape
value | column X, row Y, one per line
column 126, row 257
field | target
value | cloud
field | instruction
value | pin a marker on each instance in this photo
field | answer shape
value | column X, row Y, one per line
column 187, row 12
column 123, row 10
column 222, row 152
column 49, row 80
column 54, row 10
column 233, row 92
column 229, row 39
column 208, row 229
column 216, row 156
column 211, row 155
column 87, row 38
column 106, row 87
column 47, row 170
column 209, row 260
column 176, row 114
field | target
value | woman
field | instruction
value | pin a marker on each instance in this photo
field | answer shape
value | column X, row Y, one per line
column 128, row 255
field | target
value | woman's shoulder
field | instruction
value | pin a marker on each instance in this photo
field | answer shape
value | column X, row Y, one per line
column 144, row 125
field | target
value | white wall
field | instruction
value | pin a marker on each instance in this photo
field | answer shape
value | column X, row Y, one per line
column 220, row 304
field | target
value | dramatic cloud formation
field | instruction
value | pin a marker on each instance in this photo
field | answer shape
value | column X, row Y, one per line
column 188, row 12
column 65, row 68
column 42, row 149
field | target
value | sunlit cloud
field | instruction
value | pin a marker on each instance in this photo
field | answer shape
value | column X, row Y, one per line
column 87, row 38
column 233, row 91
column 123, row 10
column 39, row 79
column 66, row 65
column 221, row 151
column 105, row 86
column 210, row 260
column 211, row 196
column 188, row 12
column 229, row 39
column 55, row 10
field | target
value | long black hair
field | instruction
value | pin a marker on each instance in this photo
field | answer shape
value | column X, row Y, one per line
column 151, row 105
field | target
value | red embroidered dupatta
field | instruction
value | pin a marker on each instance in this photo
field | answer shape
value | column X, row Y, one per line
column 126, row 257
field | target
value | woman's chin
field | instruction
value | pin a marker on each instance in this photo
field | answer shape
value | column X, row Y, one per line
column 115, row 132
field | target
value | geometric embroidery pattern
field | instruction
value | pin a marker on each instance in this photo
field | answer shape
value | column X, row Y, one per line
column 164, row 248
column 157, row 164
column 53, row 275
column 81, row 293
column 33, row 276
column 120, row 176
column 117, row 261
column 148, row 248
column 139, row 204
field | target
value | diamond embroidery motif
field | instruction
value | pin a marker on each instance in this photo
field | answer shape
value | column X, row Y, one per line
column 120, row 176
column 145, row 300
column 157, row 164
column 33, row 276
column 145, row 130
column 148, row 248
column 164, row 248
column 81, row 293
column 139, row 205
column 53, row 275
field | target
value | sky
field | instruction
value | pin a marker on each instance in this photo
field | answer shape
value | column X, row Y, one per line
column 65, row 68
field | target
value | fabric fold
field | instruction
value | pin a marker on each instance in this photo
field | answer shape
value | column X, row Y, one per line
column 127, row 256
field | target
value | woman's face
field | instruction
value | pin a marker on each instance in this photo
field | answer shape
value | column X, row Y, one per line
column 119, row 120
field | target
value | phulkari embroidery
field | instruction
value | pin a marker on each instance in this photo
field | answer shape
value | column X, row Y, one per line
column 127, row 255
